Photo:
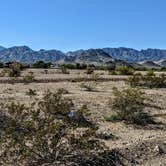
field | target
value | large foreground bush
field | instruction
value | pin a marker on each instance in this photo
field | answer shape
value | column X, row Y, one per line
column 49, row 132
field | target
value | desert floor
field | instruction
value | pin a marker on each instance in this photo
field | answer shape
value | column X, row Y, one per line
column 140, row 143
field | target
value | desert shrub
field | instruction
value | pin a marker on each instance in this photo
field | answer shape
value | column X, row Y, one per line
column 63, row 91
column 112, row 118
column 95, row 77
column 64, row 70
column 88, row 86
column 148, row 81
column 14, row 69
column 4, row 72
column 31, row 92
column 29, row 77
column 89, row 70
column 124, row 70
column 105, row 134
column 45, row 134
column 78, row 79
column 45, row 71
column 150, row 73
column 129, row 105
column 113, row 72
column 135, row 80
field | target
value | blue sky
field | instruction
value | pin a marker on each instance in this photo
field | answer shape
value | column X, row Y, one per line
column 75, row 24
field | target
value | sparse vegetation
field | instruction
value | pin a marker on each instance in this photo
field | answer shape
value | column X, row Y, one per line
column 14, row 69
column 89, row 86
column 148, row 81
column 64, row 70
column 150, row 73
column 89, row 70
column 112, row 118
column 124, row 70
column 29, row 77
column 41, row 65
column 46, row 135
column 129, row 105
column 62, row 91
column 55, row 130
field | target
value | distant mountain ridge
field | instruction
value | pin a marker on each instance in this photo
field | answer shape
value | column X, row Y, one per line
column 26, row 55
column 96, row 56
column 132, row 55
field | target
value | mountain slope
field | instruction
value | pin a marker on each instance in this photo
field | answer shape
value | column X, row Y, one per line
column 132, row 55
column 27, row 55
column 162, row 63
column 93, row 56
column 150, row 64
column 2, row 48
column 96, row 56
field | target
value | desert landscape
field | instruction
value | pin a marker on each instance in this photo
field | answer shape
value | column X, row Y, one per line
column 136, row 144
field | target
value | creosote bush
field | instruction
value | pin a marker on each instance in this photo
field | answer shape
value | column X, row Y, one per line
column 49, row 132
column 129, row 105
column 62, row 91
column 150, row 72
column 148, row 81
column 14, row 69
column 29, row 77
column 124, row 70
column 88, row 86
column 89, row 70
column 64, row 70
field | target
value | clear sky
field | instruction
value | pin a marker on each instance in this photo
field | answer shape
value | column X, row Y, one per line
column 75, row 24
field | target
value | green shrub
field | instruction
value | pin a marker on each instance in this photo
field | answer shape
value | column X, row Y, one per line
column 150, row 73
column 14, row 69
column 124, row 70
column 148, row 81
column 113, row 72
column 129, row 105
column 42, row 65
column 112, row 118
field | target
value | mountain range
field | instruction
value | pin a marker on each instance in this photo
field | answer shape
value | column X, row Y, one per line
column 121, row 55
